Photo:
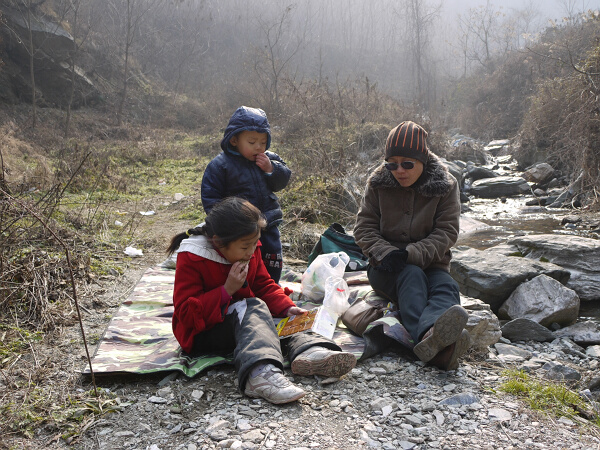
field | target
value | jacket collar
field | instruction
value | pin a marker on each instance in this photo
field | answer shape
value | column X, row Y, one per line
column 201, row 246
column 435, row 181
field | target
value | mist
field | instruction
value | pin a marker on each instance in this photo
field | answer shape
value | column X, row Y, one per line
column 410, row 49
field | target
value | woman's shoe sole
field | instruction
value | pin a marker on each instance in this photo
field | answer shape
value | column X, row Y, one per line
column 447, row 330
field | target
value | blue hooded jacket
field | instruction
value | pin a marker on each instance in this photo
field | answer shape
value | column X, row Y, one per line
column 230, row 174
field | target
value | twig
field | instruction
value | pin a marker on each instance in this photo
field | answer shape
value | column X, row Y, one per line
column 68, row 256
column 33, row 354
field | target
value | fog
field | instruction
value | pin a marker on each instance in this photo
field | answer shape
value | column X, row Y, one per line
column 409, row 49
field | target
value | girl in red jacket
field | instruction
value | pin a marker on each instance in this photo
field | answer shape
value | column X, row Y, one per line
column 225, row 302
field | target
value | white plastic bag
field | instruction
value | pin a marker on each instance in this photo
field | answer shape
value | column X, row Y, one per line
column 132, row 251
column 336, row 295
column 323, row 267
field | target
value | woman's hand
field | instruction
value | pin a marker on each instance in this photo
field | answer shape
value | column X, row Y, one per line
column 295, row 310
column 237, row 277
column 393, row 262
column 264, row 163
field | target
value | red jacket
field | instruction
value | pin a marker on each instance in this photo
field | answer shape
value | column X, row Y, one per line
column 197, row 293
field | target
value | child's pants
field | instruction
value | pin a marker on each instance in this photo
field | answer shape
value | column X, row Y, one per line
column 421, row 295
column 254, row 339
column 271, row 252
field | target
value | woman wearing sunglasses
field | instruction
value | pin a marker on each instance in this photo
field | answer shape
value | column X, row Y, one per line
column 407, row 222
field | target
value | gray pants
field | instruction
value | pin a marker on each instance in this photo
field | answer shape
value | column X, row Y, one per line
column 254, row 339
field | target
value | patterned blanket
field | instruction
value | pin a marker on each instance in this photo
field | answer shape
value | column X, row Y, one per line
column 139, row 338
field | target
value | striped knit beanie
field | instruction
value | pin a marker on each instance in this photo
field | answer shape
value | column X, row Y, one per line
column 409, row 140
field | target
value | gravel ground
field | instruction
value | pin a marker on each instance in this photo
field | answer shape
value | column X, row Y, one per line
column 388, row 402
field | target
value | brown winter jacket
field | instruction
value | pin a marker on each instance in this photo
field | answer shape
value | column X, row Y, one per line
column 423, row 218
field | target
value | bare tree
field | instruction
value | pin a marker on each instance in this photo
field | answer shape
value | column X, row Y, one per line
column 126, row 18
column 483, row 24
column 278, row 50
column 421, row 18
column 570, row 9
column 176, row 41
column 27, row 10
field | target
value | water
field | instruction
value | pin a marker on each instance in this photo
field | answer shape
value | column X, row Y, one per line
column 504, row 220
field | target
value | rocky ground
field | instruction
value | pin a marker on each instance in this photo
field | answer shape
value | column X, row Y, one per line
column 388, row 402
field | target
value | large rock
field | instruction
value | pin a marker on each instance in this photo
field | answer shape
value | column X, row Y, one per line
column 583, row 333
column 503, row 186
column 483, row 325
column 492, row 277
column 579, row 255
column 526, row 330
column 479, row 173
column 497, row 147
column 565, row 198
column 540, row 173
column 543, row 300
column 469, row 150
column 456, row 169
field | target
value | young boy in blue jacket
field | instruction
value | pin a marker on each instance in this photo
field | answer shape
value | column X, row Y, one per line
column 246, row 169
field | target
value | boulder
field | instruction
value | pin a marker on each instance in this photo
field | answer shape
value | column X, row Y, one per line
column 483, row 325
column 503, row 186
column 583, row 333
column 478, row 173
column 593, row 351
column 566, row 196
column 540, row 173
column 512, row 350
column 526, row 330
column 579, row 255
column 469, row 150
column 498, row 147
column 543, row 300
column 559, row 372
column 455, row 169
column 492, row 277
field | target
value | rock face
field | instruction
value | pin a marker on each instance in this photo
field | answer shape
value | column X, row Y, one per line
column 543, row 300
column 503, row 186
column 578, row 255
column 53, row 47
column 492, row 277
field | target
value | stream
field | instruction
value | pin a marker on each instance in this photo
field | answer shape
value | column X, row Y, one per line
column 506, row 219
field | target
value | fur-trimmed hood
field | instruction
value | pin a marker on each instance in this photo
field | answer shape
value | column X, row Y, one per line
column 436, row 180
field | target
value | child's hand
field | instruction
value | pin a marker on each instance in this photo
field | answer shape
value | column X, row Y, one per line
column 237, row 277
column 294, row 311
column 264, row 163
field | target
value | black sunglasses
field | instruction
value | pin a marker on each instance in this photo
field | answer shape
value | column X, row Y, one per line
column 406, row 165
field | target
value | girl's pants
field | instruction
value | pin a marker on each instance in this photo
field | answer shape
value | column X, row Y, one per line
column 421, row 295
column 272, row 254
column 253, row 339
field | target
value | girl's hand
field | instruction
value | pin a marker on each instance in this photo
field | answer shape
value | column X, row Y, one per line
column 264, row 163
column 294, row 311
column 237, row 276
